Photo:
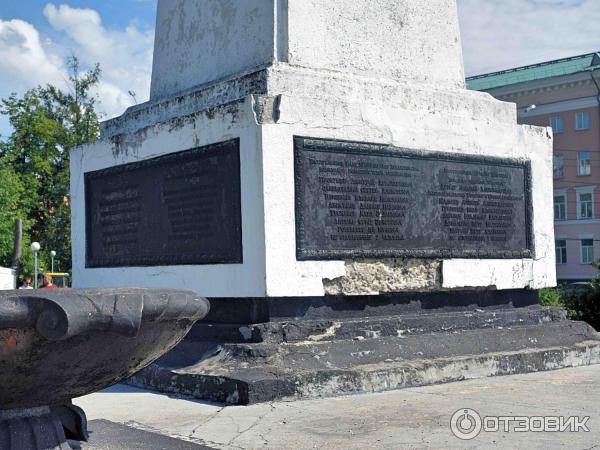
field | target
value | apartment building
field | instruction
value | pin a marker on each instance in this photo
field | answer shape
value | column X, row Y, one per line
column 563, row 94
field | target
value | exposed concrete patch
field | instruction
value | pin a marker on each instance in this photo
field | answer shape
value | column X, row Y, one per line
column 328, row 333
column 369, row 277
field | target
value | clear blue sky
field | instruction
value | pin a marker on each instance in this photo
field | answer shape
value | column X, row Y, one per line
column 115, row 13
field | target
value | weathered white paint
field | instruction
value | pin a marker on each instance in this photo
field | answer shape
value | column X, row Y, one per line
column 8, row 279
column 532, row 143
column 201, row 41
column 412, row 40
column 199, row 129
column 320, row 96
column 204, row 40
column 326, row 105
column 498, row 273
column 459, row 122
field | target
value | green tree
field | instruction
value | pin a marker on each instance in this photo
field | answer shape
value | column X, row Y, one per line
column 48, row 122
column 11, row 193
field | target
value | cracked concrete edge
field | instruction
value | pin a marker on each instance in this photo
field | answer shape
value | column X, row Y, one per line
column 445, row 370
column 379, row 377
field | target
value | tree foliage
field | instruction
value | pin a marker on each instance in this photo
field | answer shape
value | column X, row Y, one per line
column 11, row 193
column 581, row 300
column 584, row 304
column 34, row 161
column 551, row 297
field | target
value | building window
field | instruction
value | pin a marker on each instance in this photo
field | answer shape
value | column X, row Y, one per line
column 560, row 207
column 561, row 251
column 587, row 251
column 582, row 120
column 557, row 124
column 586, row 205
column 584, row 165
column 559, row 166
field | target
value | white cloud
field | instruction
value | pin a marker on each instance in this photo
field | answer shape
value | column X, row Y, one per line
column 125, row 56
column 24, row 59
column 28, row 59
column 501, row 34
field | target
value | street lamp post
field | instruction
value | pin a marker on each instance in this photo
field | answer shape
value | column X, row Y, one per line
column 35, row 248
column 52, row 254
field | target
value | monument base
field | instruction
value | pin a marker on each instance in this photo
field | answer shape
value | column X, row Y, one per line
column 255, row 350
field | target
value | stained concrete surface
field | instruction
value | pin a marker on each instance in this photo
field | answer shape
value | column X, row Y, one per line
column 408, row 419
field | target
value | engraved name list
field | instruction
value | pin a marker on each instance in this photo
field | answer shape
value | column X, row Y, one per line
column 363, row 200
column 181, row 208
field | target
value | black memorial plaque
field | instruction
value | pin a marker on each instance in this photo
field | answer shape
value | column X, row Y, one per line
column 181, row 208
column 356, row 200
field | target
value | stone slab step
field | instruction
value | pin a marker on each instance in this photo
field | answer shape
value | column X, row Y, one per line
column 372, row 327
column 248, row 373
column 247, row 386
column 344, row 353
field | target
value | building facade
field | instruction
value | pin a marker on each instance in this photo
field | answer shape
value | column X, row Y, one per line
column 565, row 95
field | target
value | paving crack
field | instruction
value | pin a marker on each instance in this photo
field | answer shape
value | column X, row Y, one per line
column 208, row 420
column 254, row 424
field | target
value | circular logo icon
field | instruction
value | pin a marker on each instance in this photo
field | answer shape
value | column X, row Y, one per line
column 465, row 424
